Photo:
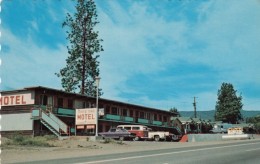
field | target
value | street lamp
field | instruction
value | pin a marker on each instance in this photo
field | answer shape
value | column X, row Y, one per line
column 97, row 85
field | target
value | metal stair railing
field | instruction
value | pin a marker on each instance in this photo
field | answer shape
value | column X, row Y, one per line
column 50, row 121
column 61, row 124
column 178, row 129
column 50, row 128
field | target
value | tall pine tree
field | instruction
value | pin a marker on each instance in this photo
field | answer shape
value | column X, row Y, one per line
column 229, row 105
column 82, row 65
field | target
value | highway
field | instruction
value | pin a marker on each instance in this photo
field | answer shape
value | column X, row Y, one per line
column 244, row 152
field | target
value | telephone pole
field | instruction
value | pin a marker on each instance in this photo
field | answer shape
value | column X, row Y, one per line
column 194, row 105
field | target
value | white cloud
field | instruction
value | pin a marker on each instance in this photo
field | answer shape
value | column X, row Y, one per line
column 130, row 38
column 183, row 102
column 225, row 38
column 227, row 33
column 230, row 34
column 26, row 64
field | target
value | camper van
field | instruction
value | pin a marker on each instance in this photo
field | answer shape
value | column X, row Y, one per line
column 140, row 131
column 221, row 128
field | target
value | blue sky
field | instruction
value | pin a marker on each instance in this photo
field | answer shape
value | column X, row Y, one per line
column 157, row 53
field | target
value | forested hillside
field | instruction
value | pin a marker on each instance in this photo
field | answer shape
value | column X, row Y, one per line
column 209, row 115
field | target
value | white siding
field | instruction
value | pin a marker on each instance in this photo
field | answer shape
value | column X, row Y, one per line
column 16, row 122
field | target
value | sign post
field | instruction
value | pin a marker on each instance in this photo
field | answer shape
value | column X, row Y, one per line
column 97, row 85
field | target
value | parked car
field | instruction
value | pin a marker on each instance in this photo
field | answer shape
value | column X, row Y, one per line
column 158, row 135
column 118, row 133
column 140, row 131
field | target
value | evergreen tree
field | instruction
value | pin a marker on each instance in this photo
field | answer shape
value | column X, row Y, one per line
column 175, row 111
column 82, row 65
column 228, row 107
column 256, row 121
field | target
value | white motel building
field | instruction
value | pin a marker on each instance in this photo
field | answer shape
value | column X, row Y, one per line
column 41, row 110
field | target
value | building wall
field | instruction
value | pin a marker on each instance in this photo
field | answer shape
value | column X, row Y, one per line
column 16, row 122
column 16, row 112
column 50, row 97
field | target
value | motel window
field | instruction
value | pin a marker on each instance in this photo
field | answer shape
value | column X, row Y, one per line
column 78, row 104
column 44, row 99
column 60, row 102
column 114, row 110
column 131, row 113
column 136, row 114
column 107, row 109
column 50, row 100
column 164, row 118
column 141, row 114
column 155, row 117
column 160, row 118
column 119, row 111
column 147, row 115
column 151, row 116
column 84, row 104
column 124, row 112
column 88, row 105
column 70, row 103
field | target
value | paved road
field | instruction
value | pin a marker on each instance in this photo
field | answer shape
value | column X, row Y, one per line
column 244, row 152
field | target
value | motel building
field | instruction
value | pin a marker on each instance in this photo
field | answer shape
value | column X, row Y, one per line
column 41, row 110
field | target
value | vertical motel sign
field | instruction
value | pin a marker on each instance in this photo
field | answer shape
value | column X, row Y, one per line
column 86, row 116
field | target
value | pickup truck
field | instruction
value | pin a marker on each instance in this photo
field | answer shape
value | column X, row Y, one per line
column 158, row 135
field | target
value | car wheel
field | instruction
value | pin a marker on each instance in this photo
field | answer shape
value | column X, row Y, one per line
column 121, row 138
column 136, row 139
column 156, row 138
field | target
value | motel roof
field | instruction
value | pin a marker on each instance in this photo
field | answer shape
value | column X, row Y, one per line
column 83, row 96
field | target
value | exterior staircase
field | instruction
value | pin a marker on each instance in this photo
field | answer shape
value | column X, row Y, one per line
column 50, row 128
column 178, row 129
column 52, row 122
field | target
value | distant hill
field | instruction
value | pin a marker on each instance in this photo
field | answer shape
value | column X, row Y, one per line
column 209, row 115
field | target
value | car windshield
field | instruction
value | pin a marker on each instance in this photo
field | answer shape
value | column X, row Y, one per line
column 123, row 130
column 112, row 130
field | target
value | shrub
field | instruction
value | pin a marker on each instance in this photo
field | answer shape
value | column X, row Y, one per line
column 29, row 141
column 111, row 140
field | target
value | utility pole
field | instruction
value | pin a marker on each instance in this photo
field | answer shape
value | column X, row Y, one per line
column 194, row 105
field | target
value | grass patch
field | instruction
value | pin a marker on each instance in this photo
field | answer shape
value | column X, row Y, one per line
column 20, row 140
